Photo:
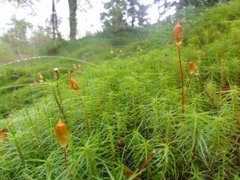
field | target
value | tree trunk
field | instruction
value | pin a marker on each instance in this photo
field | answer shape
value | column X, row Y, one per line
column 132, row 22
column 54, row 21
column 72, row 18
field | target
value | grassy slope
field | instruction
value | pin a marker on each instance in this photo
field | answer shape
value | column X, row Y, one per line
column 24, row 74
column 130, row 106
column 94, row 49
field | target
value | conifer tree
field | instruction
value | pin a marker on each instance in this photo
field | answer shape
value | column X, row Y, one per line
column 54, row 21
column 163, row 6
column 142, row 13
column 199, row 3
column 132, row 11
column 114, row 18
column 122, row 14
column 137, row 12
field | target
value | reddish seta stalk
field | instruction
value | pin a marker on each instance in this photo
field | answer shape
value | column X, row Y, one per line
column 182, row 76
column 65, row 155
column 178, row 39
column 141, row 167
column 145, row 163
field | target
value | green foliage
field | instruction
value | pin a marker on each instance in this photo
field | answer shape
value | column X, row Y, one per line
column 17, row 82
column 137, row 12
column 6, row 53
column 40, row 40
column 130, row 106
column 199, row 3
column 104, row 46
column 132, row 109
column 52, row 47
column 16, row 37
column 122, row 15
column 114, row 19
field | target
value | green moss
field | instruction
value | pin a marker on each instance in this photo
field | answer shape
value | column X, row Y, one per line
column 129, row 104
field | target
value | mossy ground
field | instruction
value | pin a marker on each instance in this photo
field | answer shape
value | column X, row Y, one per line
column 129, row 104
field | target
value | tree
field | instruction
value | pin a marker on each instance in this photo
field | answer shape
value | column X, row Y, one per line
column 132, row 11
column 118, row 12
column 199, row 3
column 21, row 2
column 72, row 15
column 82, row 5
column 141, row 15
column 163, row 6
column 54, row 21
column 72, row 18
column 17, row 35
column 114, row 18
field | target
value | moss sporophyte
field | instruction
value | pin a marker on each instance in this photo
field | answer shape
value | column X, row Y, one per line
column 192, row 67
column 178, row 40
column 40, row 78
column 62, row 134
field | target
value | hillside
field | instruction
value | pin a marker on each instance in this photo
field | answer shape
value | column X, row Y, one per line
column 125, row 118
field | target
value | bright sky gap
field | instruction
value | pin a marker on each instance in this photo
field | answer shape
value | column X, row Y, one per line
column 88, row 22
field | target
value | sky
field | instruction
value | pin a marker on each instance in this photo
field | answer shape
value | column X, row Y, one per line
column 88, row 22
